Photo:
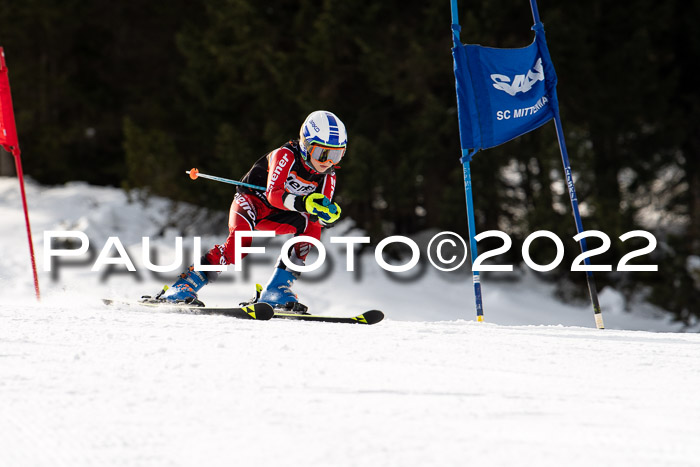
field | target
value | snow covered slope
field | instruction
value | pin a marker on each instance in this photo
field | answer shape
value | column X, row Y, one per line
column 83, row 384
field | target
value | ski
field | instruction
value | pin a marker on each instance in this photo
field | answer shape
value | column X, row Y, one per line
column 257, row 311
column 298, row 311
column 368, row 317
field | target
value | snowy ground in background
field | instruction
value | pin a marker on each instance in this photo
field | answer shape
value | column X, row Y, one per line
column 102, row 212
column 82, row 384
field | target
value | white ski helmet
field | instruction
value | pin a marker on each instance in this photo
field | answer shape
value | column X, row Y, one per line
column 323, row 137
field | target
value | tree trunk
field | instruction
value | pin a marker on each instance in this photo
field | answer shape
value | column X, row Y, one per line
column 692, row 172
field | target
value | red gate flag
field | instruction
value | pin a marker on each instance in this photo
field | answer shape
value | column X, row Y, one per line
column 8, row 140
column 8, row 131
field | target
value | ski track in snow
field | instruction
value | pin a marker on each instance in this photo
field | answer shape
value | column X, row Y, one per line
column 84, row 384
column 104, row 386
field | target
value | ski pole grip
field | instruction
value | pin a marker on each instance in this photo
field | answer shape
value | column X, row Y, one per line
column 327, row 204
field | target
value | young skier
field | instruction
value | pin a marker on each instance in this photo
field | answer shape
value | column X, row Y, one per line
column 300, row 181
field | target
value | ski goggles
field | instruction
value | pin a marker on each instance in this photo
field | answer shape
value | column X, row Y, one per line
column 323, row 154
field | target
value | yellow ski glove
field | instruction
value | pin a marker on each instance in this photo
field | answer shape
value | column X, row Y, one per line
column 318, row 205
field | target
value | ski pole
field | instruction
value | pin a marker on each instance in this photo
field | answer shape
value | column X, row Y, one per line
column 194, row 174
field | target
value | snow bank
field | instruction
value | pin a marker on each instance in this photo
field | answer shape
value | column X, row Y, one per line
column 102, row 212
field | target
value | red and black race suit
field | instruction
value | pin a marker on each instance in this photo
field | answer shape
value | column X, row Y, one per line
column 284, row 173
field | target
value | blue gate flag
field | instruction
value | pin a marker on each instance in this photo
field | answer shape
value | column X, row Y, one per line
column 502, row 93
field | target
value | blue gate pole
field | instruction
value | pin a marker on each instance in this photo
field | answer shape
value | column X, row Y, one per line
column 592, row 290
column 466, row 159
column 472, row 241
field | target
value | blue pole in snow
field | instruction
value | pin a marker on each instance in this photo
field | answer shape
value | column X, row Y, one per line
column 466, row 159
column 592, row 290
column 472, row 241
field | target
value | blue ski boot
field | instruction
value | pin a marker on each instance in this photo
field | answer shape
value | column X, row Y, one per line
column 278, row 292
column 185, row 288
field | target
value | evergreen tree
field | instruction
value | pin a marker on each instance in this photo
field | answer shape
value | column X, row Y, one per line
column 135, row 94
